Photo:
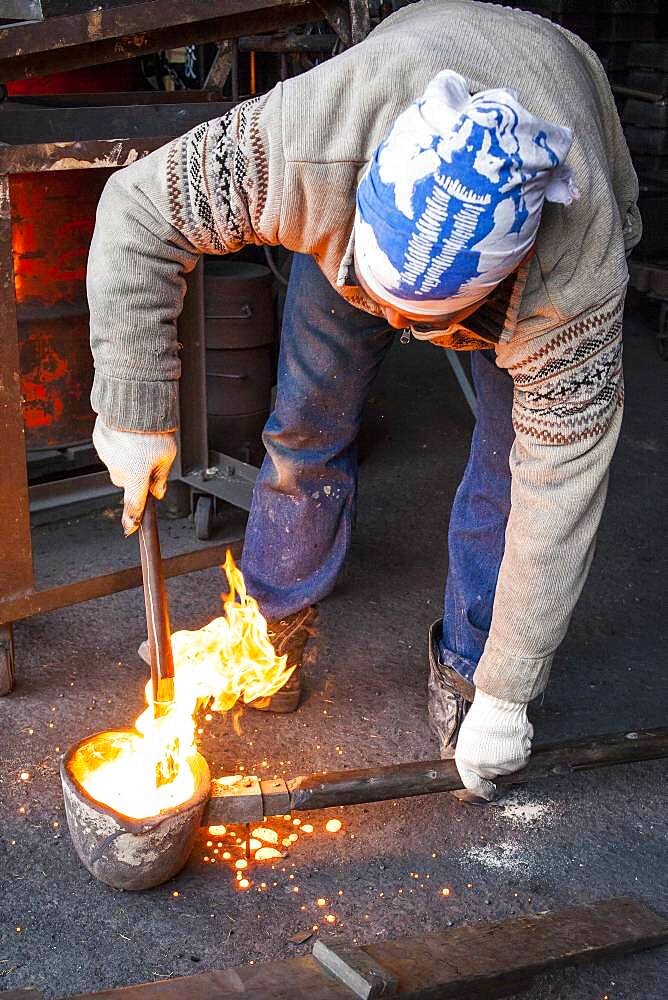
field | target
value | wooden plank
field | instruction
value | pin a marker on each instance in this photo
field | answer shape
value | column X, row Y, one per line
column 352, row 966
column 291, row 979
column 488, row 960
column 25, row 994
column 482, row 960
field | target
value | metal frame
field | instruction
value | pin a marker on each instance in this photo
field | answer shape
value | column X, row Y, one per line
column 18, row 595
column 37, row 48
column 61, row 43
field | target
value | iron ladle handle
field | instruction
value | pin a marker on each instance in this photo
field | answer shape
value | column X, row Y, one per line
column 157, row 614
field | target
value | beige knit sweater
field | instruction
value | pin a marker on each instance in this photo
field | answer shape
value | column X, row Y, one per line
column 284, row 168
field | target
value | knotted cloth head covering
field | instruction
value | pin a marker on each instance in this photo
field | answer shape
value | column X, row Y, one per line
column 451, row 201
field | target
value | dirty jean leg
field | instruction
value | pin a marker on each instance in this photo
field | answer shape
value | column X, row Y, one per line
column 480, row 510
column 300, row 521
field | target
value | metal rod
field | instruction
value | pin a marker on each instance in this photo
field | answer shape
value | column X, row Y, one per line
column 157, row 615
column 464, row 384
column 641, row 95
column 318, row 791
column 378, row 784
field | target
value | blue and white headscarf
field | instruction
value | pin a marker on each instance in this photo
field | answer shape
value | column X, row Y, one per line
column 451, row 201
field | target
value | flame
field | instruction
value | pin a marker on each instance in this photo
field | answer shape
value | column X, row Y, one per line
column 229, row 660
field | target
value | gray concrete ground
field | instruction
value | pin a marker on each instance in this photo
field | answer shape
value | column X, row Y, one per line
column 549, row 845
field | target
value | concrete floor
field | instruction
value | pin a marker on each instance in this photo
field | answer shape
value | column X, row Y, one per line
column 552, row 844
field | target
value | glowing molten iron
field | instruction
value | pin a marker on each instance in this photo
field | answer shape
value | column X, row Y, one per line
column 231, row 659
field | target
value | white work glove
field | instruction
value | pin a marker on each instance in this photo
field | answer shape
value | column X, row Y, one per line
column 495, row 738
column 137, row 462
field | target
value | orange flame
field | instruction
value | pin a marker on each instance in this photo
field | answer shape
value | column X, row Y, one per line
column 229, row 660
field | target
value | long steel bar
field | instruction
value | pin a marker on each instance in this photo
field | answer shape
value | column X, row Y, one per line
column 378, row 784
column 157, row 614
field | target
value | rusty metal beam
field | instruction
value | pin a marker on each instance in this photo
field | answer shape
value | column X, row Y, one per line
column 16, row 571
column 28, row 603
column 100, row 36
column 290, row 42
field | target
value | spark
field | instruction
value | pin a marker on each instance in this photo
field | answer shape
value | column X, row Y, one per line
column 322, row 901
column 445, row 891
column 330, row 918
column 24, row 776
column 333, row 825
column 307, row 828
column 176, row 893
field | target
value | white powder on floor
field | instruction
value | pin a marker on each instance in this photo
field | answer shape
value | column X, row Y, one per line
column 506, row 856
column 521, row 812
column 509, row 855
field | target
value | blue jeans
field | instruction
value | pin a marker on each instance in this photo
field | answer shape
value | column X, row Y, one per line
column 299, row 528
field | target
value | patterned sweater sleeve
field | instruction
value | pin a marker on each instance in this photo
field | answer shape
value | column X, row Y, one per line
column 207, row 192
column 567, row 411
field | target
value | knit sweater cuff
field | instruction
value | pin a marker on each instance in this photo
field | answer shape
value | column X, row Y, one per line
column 130, row 405
column 513, row 678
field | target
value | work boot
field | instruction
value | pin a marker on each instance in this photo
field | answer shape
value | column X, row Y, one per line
column 450, row 696
column 289, row 635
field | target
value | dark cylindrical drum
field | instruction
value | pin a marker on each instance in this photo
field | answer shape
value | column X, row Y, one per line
column 240, row 334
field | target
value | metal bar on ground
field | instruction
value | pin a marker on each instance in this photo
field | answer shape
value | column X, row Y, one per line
column 490, row 959
column 379, row 784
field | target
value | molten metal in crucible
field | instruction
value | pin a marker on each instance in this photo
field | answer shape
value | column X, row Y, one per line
column 230, row 659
